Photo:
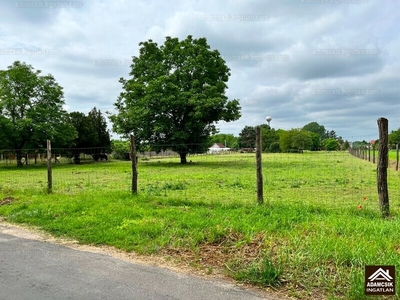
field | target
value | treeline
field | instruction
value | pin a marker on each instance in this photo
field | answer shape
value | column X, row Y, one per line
column 31, row 106
column 311, row 136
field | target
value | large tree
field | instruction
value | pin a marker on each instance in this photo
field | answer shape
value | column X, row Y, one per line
column 175, row 95
column 32, row 111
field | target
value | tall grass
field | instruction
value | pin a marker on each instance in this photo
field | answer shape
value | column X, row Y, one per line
column 320, row 224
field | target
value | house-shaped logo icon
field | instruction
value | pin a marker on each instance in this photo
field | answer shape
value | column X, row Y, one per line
column 380, row 280
column 380, row 274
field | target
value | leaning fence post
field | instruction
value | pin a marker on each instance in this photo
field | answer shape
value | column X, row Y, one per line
column 382, row 166
column 134, row 166
column 49, row 171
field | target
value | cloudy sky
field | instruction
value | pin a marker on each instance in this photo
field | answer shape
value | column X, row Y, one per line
column 335, row 62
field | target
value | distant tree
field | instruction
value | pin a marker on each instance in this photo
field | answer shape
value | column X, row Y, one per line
column 316, row 128
column 268, row 137
column 331, row 144
column 227, row 139
column 32, row 111
column 346, row 145
column 274, row 147
column 99, row 122
column 315, row 141
column 247, row 137
column 120, row 149
column 295, row 139
column 394, row 137
column 87, row 136
column 340, row 140
column 93, row 136
column 175, row 95
column 359, row 144
column 330, row 134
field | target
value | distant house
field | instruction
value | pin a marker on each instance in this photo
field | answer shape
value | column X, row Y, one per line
column 218, row 147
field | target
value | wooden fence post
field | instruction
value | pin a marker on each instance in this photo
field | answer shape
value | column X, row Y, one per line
column 382, row 166
column 49, row 171
column 397, row 156
column 373, row 153
column 260, row 193
column 134, row 166
column 369, row 152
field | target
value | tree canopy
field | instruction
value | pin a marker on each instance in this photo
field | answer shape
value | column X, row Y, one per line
column 331, row 144
column 174, row 96
column 295, row 140
column 32, row 111
column 247, row 137
column 269, row 139
column 316, row 128
column 394, row 137
column 92, row 129
column 93, row 136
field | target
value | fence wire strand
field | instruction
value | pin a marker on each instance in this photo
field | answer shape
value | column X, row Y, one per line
column 327, row 179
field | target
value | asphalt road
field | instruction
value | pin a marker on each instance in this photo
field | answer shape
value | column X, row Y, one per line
column 32, row 269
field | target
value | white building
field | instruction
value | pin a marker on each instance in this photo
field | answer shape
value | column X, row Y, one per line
column 218, row 147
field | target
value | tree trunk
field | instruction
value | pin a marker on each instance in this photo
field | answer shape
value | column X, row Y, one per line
column 183, row 157
column 19, row 158
column 134, row 165
column 77, row 159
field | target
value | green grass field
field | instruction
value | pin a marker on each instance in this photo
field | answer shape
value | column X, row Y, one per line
column 318, row 228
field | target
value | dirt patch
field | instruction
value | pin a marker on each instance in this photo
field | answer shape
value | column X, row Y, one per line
column 7, row 200
column 214, row 256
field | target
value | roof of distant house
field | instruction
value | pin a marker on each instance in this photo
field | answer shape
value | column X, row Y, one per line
column 218, row 145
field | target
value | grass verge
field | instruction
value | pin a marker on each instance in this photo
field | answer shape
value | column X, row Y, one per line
column 310, row 239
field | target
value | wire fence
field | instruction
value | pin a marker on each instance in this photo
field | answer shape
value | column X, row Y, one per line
column 329, row 179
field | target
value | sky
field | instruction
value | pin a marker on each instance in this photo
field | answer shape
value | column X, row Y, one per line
column 335, row 62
